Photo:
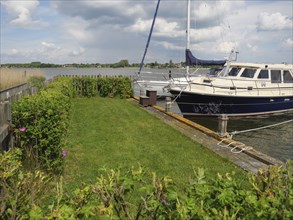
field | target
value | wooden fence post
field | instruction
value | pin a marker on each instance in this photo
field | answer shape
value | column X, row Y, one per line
column 5, row 123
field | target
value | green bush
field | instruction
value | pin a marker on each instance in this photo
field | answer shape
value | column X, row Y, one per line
column 21, row 191
column 40, row 125
column 137, row 194
column 41, row 121
column 37, row 81
column 103, row 86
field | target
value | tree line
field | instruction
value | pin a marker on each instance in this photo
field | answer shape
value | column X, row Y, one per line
column 121, row 64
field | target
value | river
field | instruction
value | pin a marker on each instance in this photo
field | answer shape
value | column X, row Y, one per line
column 275, row 141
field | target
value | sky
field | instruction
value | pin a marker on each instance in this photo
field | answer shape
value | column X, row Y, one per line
column 107, row 31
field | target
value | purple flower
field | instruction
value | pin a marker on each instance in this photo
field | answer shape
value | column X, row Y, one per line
column 64, row 153
column 164, row 202
column 22, row 129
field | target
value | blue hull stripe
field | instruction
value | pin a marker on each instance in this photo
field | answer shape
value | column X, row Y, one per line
column 193, row 104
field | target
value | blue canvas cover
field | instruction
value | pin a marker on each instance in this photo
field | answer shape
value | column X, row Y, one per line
column 191, row 60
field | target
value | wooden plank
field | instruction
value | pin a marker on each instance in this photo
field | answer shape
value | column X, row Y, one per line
column 4, row 131
column 249, row 160
column 7, row 93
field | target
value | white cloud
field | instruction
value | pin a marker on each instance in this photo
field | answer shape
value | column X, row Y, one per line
column 226, row 47
column 207, row 34
column 77, row 52
column 162, row 28
column 104, row 12
column 274, row 21
column 21, row 13
column 165, row 28
column 49, row 46
column 106, row 31
column 45, row 52
column 169, row 45
column 13, row 51
column 288, row 43
column 252, row 48
column 140, row 26
column 78, row 29
column 211, row 13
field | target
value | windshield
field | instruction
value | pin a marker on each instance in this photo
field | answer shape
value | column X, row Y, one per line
column 226, row 71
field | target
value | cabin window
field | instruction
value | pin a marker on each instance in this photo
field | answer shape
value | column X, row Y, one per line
column 263, row 74
column 248, row 73
column 287, row 77
column 215, row 71
column 276, row 76
column 234, row 71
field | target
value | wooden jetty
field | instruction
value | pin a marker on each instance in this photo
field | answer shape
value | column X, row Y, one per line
column 248, row 159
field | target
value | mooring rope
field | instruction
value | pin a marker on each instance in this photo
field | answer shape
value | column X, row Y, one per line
column 178, row 95
column 243, row 147
column 259, row 128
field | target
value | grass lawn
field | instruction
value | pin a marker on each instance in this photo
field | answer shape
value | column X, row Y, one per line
column 114, row 133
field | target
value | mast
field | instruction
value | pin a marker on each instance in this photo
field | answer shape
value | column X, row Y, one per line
column 188, row 33
column 149, row 38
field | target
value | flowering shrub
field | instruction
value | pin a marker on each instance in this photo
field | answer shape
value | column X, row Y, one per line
column 20, row 190
column 41, row 123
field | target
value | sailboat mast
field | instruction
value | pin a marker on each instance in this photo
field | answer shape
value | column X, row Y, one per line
column 149, row 38
column 188, row 33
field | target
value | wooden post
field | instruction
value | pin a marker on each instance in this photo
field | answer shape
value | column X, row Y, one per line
column 142, row 91
column 7, row 109
column 144, row 101
column 10, row 141
column 168, row 104
column 5, row 123
column 222, row 126
column 2, row 114
column 153, row 96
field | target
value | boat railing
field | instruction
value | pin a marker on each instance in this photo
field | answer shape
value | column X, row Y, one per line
column 256, row 87
column 279, row 89
column 237, row 90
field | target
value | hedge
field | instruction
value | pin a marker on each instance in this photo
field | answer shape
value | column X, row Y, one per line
column 41, row 123
column 103, row 86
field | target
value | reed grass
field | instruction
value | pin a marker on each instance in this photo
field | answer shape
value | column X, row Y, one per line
column 14, row 77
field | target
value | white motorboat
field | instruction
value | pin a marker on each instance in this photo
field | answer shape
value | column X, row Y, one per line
column 240, row 89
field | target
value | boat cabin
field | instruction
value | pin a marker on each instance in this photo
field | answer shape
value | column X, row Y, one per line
column 275, row 73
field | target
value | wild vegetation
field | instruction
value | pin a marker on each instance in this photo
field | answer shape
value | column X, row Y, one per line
column 137, row 194
column 34, row 175
column 14, row 77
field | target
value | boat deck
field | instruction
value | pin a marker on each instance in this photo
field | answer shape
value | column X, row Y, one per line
column 249, row 160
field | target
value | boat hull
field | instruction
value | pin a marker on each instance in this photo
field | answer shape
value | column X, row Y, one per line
column 204, row 104
column 162, row 87
column 159, row 86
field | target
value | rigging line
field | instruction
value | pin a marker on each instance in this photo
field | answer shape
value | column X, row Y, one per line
column 150, row 35
column 254, row 129
column 223, row 31
column 178, row 95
